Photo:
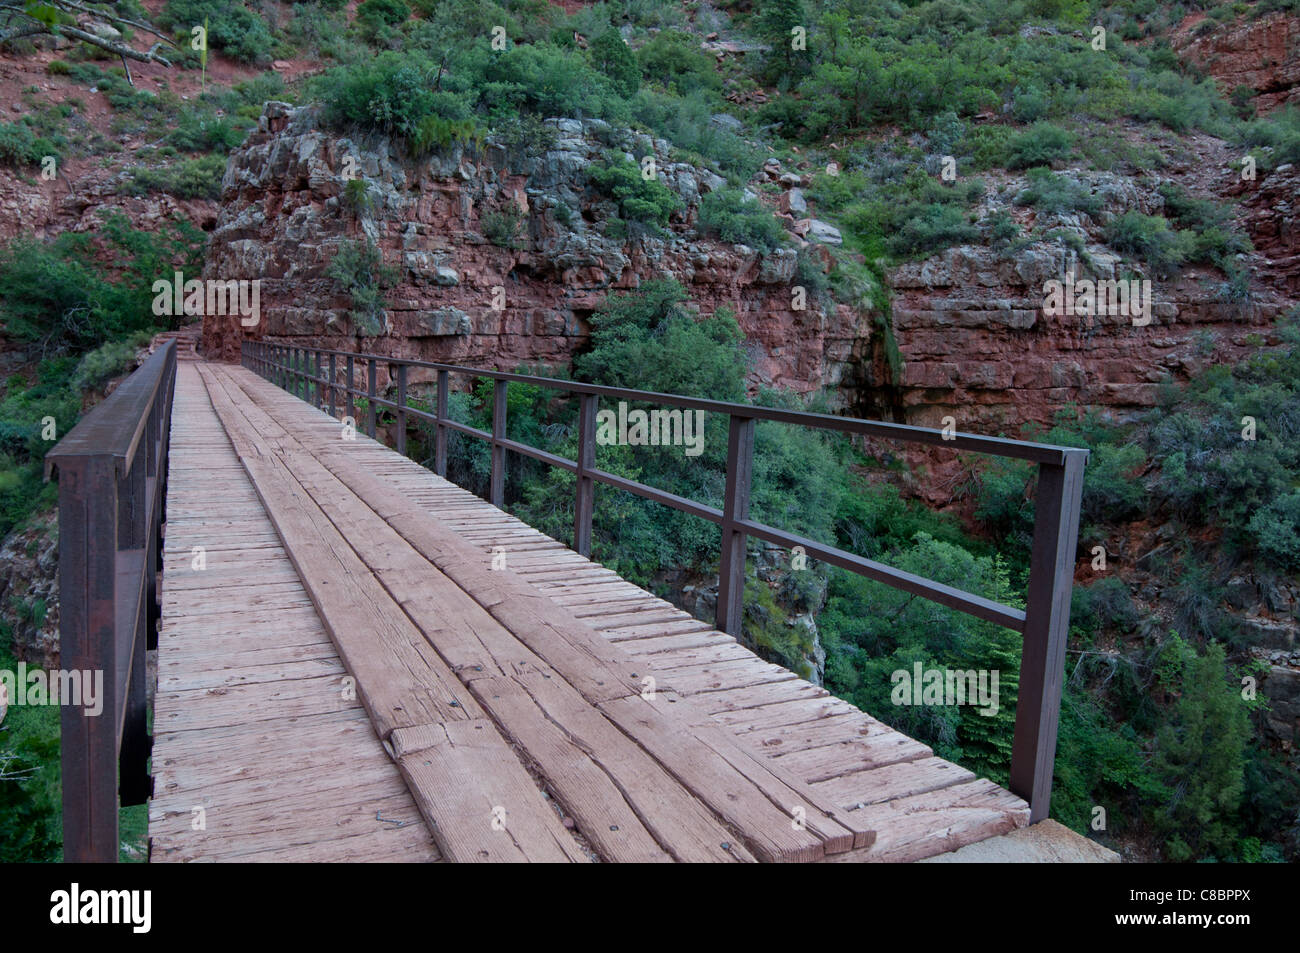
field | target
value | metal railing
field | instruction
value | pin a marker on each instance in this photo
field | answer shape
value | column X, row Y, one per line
column 313, row 374
column 112, row 470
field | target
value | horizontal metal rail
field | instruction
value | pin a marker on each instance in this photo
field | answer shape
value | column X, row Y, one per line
column 112, row 473
column 1043, row 622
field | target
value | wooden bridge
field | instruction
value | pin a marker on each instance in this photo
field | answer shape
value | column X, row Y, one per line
column 359, row 660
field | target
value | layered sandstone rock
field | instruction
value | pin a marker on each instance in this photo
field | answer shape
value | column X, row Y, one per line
column 460, row 298
column 1261, row 54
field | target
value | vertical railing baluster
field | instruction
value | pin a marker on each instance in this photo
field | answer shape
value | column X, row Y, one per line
column 333, row 372
column 440, row 432
column 498, row 487
column 731, row 568
column 372, row 373
column 401, row 409
column 585, row 492
column 351, row 388
column 1047, row 621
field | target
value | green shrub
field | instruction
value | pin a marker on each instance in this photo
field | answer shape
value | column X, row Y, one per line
column 392, row 93
column 1276, row 531
column 359, row 270
column 19, row 145
column 673, row 59
column 729, row 215
column 234, row 30
column 501, row 226
column 611, row 56
column 1149, row 237
column 382, row 12
column 80, row 289
column 1040, row 144
column 1057, row 193
column 107, row 361
column 189, row 179
column 205, row 132
column 640, row 199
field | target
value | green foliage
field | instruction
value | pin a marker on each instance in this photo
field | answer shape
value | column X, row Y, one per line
column 1150, row 238
column 109, row 360
column 359, row 270
column 79, row 290
column 640, row 199
column 198, row 131
column 1040, row 144
column 198, row 178
column 873, row 631
column 20, row 145
column 387, row 12
column 501, row 226
column 1200, row 755
column 389, row 94
column 917, row 217
column 434, row 132
column 30, row 807
column 1276, row 530
column 356, row 195
column 611, row 56
column 1060, row 194
column 673, row 60
column 729, row 215
column 775, row 24
column 234, row 30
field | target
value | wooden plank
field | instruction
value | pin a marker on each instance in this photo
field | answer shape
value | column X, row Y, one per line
column 924, row 825
column 592, row 665
column 893, row 782
column 399, row 684
column 478, row 800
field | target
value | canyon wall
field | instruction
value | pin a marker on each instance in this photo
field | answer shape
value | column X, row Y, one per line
column 969, row 324
column 286, row 213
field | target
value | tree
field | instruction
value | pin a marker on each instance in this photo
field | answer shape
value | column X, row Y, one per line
column 776, row 24
column 611, row 56
column 29, row 18
column 1201, row 755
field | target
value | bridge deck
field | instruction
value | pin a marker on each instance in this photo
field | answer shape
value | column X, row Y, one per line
column 512, row 701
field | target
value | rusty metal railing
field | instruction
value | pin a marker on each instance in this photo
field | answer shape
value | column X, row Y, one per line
column 313, row 375
column 112, row 471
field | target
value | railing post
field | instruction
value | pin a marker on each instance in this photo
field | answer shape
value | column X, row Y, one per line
column 440, row 431
column 315, row 379
column 372, row 373
column 498, row 488
column 585, row 492
column 351, row 388
column 333, row 384
column 88, row 514
column 401, row 409
column 1047, row 620
column 731, row 568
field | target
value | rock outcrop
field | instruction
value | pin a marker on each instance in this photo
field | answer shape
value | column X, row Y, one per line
column 1261, row 54
column 459, row 297
column 977, row 342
